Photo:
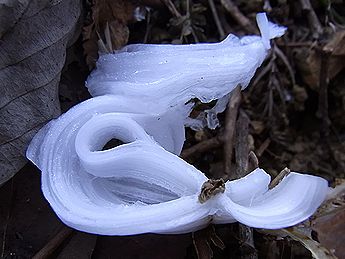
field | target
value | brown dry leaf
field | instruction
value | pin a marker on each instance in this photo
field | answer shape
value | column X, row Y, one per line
column 317, row 250
column 109, row 23
column 32, row 55
column 329, row 222
column 309, row 61
column 330, row 230
column 299, row 234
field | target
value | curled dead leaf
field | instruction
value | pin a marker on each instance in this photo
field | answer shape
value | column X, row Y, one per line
column 309, row 60
column 108, row 28
column 32, row 55
column 10, row 13
column 329, row 222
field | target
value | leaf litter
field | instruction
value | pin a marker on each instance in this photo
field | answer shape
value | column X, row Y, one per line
column 289, row 135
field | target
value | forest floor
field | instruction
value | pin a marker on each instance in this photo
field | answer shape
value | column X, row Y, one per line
column 291, row 115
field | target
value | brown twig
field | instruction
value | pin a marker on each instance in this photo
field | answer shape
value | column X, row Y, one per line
column 223, row 20
column 267, row 6
column 279, row 177
column 230, row 122
column 148, row 27
column 172, row 8
column 296, row 44
column 323, row 91
column 191, row 25
column 247, row 250
column 253, row 161
column 241, row 144
column 238, row 16
column 54, row 243
column 263, row 147
column 170, row 5
column 280, row 54
column 216, row 19
column 313, row 21
column 202, row 147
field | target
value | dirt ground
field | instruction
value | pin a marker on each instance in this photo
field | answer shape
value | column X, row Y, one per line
column 295, row 107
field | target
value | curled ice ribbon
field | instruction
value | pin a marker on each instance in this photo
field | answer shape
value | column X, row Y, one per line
column 166, row 75
column 142, row 185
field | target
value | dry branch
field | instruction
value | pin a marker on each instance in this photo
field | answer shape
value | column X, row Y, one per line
column 202, row 147
column 230, row 123
column 238, row 16
column 323, row 92
column 216, row 18
column 54, row 243
column 247, row 250
column 313, row 21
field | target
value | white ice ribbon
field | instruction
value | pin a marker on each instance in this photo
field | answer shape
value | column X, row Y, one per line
column 143, row 186
column 167, row 75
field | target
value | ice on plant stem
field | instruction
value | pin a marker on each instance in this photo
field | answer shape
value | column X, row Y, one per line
column 174, row 74
column 141, row 186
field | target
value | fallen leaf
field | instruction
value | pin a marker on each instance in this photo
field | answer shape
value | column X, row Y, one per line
column 32, row 55
column 10, row 13
column 329, row 221
column 330, row 232
column 108, row 29
column 297, row 234
column 309, row 60
column 316, row 249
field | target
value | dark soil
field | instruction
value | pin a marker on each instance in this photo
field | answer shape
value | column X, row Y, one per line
column 288, row 128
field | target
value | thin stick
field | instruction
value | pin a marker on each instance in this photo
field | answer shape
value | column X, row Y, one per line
column 279, row 177
column 296, row 44
column 313, row 21
column 148, row 27
column 202, row 147
column 8, row 217
column 172, row 8
column 323, row 92
column 230, row 122
column 238, row 16
column 253, row 161
column 177, row 14
column 191, row 25
column 263, row 147
column 54, row 243
column 267, row 6
column 247, row 250
column 241, row 144
column 216, row 19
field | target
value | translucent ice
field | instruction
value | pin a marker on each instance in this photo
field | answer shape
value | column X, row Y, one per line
column 168, row 75
column 142, row 185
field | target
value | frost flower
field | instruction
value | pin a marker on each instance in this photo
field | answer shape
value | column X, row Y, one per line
column 142, row 185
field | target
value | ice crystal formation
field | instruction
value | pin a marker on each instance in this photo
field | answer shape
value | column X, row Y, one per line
column 141, row 96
